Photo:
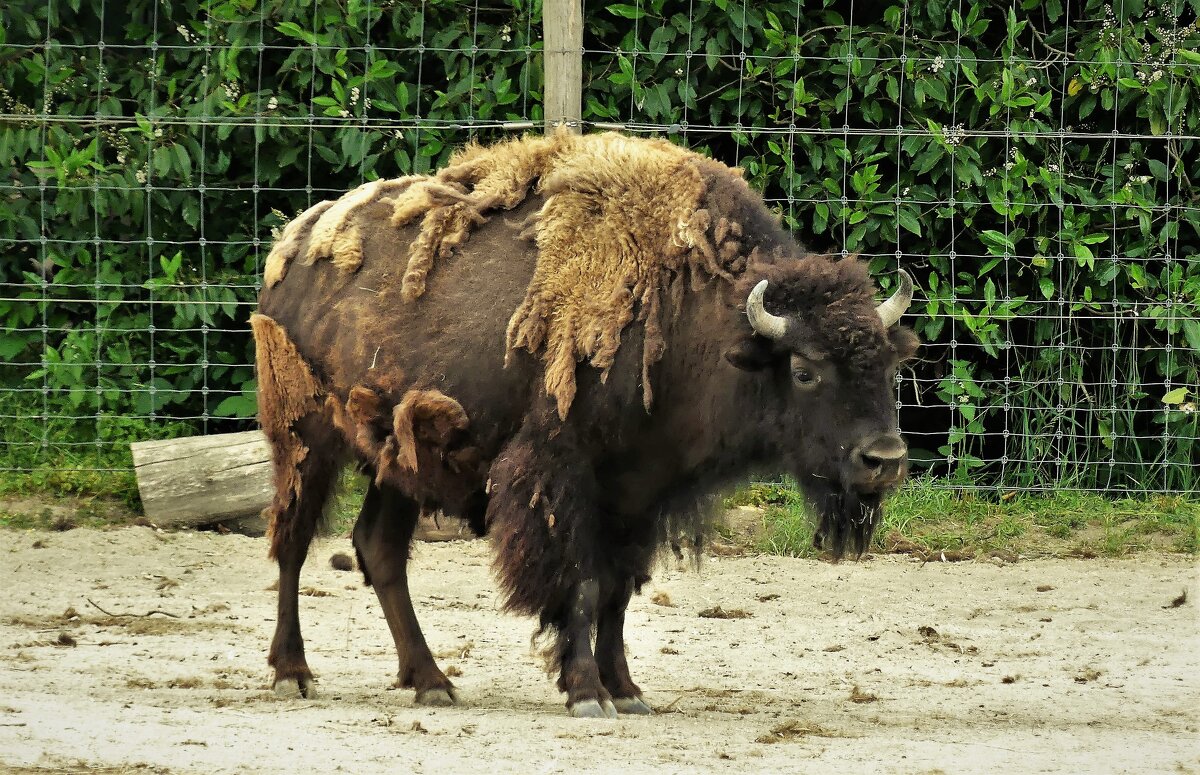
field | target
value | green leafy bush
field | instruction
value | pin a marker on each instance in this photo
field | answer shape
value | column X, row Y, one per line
column 1035, row 171
column 1033, row 165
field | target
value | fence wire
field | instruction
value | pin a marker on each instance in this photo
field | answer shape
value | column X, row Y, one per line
column 1032, row 168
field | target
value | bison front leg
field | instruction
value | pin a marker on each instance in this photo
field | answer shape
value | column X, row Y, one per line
column 580, row 676
column 610, row 650
column 382, row 537
column 544, row 523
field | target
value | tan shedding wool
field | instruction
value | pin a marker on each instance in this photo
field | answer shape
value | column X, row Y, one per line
column 617, row 224
column 336, row 234
column 623, row 224
column 424, row 416
column 288, row 392
column 287, row 247
column 424, row 419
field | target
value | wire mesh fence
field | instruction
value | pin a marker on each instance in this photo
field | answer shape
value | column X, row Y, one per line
column 1031, row 164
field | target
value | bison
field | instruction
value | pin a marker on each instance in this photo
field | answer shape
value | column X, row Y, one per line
column 570, row 342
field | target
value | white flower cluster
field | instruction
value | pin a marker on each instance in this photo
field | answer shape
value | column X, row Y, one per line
column 954, row 134
column 1171, row 36
column 355, row 94
column 938, row 64
column 506, row 34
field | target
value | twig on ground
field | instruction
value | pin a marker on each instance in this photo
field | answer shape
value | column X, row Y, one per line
column 96, row 605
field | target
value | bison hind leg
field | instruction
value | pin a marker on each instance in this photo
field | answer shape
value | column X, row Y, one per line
column 382, row 536
column 294, row 521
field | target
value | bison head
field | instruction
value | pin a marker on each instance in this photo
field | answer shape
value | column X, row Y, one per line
column 829, row 353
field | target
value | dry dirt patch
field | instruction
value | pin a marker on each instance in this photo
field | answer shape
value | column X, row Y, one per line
column 890, row 665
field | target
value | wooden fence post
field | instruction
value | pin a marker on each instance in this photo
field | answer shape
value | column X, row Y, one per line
column 562, row 55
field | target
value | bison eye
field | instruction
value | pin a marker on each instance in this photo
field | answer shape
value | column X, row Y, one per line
column 805, row 378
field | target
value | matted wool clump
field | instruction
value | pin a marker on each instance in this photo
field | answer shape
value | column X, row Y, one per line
column 618, row 222
column 288, row 391
column 622, row 222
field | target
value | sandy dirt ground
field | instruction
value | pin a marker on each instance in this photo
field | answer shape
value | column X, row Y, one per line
column 887, row 665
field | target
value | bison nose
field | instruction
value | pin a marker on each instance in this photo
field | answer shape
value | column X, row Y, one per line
column 879, row 461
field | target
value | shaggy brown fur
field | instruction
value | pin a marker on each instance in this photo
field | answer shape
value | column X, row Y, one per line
column 360, row 420
column 288, row 392
column 424, row 424
column 337, row 235
column 623, row 220
column 436, row 415
column 477, row 179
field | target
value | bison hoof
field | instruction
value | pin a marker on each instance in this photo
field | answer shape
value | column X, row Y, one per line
column 635, row 706
column 296, row 689
column 593, row 709
column 436, row 698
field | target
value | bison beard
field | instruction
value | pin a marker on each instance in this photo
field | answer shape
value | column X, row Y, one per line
column 579, row 376
column 846, row 522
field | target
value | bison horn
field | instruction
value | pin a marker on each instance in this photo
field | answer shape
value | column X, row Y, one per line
column 763, row 322
column 891, row 310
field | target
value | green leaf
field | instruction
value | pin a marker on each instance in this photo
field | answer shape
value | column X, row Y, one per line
column 185, row 162
column 1191, row 331
column 11, row 346
column 293, row 30
column 997, row 242
column 1157, row 169
column 659, row 42
column 909, row 221
column 236, row 406
column 1175, row 396
column 1084, row 254
column 191, row 212
column 626, row 11
column 162, row 161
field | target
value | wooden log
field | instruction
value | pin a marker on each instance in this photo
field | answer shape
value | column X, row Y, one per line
column 201, row 480
column 226, row 479
column 562, row 58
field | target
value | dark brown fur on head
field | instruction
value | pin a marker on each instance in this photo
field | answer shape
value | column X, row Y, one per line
column 830, row 305
column 832, row 300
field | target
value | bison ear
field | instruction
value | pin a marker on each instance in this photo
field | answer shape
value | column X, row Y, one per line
column 904, row 342
column 750, row 354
